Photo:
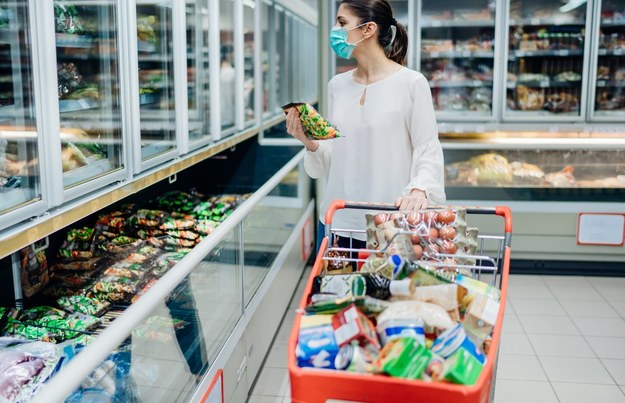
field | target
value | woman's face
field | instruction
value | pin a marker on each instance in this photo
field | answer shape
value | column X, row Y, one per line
column 346, row 19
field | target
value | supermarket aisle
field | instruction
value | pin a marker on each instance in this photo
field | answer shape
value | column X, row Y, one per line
column 564, row 341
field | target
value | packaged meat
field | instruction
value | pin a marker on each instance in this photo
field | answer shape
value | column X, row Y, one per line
column 530, row 99
column 562, row 178
column 526, row 174
column 491, row 169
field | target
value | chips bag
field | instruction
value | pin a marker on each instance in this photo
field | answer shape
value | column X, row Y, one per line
column 315, row 125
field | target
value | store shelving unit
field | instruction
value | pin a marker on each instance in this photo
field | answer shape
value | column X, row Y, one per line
column 457, row 55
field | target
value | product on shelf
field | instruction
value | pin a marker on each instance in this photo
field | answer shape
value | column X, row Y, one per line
column 603, row 73
column 146, row 28
column 491, row 169
column 437, row 45
column 568, row 76
column 530, row 99
column 34, row 271
column 526, row 174
column 24, row 367
column 532, row 77
column 68, row 20
column 562, row 101
column 562, row 178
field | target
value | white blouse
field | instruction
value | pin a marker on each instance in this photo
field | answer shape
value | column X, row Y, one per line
column 388, row 147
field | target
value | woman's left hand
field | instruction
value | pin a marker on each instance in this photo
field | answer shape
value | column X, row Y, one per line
column 417, row 200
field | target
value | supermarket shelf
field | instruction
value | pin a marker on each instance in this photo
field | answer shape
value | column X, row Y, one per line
column 546, row 53
column 611, row 52
column 458, row 54
column 538, row 113
column 461, row 84
column 456, row 23
column 74, row 41
column 609, row 22
column 25, row 233
column 614, row 112
column 87, row 172
column 148, row 47
column 544, row 84
column 547, row 21
column 73, row 105
column 610, row 83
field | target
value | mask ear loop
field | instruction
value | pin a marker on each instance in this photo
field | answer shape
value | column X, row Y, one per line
column 393, row 34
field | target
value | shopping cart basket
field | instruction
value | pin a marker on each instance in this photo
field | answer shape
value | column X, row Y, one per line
column 320, row 385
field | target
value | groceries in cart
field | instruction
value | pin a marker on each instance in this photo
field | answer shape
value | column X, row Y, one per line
column 315, row 126
column 415, row 307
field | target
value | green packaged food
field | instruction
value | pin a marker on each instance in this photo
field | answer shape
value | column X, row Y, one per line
column 123, row 240
column 84, row 305
column 79, row 265
column 73, row 279
column 405, row 357
column 149, row 232
column 184, row 234
column 149, row 251
column 462, row 368
column 81, row 234
column 177, row 224
column 205, row 227
column 315, row 126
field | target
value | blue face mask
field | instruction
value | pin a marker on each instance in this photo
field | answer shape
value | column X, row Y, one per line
column 339, row 44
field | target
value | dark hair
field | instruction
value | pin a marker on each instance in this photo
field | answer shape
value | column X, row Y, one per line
column 380, row 12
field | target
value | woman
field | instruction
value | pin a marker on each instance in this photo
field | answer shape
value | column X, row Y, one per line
column 389, row 151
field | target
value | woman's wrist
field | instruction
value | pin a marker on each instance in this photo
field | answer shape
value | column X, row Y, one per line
column 311, row 145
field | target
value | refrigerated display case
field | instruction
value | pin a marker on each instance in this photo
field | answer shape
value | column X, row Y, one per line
column 20, row 180
column 198, row 73
column 88, row 90
column 457, row 54
column 155, row 70
column 228, row 66
column 548, row 180
column 249, row 46
column 217, row 309
column 547, row 52
column 608, row 73
column 268, row 57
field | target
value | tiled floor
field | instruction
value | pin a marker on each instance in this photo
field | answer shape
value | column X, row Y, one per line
column 563, row 341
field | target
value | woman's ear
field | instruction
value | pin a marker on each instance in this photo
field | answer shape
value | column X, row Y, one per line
column 370, row 29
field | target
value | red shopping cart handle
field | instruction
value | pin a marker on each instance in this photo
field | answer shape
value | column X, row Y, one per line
column 502, row 211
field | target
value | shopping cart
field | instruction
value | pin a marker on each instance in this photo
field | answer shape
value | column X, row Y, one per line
column 320, row 385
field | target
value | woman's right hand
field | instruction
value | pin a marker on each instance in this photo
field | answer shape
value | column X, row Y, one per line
column 294, row 128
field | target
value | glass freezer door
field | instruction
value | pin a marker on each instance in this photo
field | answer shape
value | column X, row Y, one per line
column 198, row 72
column 88, row 79
column 156, row 78
column 610, row 69
column 457, row 56
column 20, row 183
column 546, row 54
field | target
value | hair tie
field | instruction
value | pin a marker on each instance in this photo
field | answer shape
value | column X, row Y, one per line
column 394, row 22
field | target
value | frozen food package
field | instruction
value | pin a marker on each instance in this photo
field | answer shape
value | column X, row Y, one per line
column 85, row 305
column 315, row 125
column 34, row 271
column 434, row 316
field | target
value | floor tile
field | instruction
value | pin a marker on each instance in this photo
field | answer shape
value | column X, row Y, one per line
column 511, row 324
column 520, row 367
column 558, row 281
column 277, row 357
column 516, row 391
column 607, row 347
column 616, row 369
column 606, row 281
column 580, row 370
column 600, row 326
column 538, row 291
column 619, row 307
column 272, row 382
column 613, row 292
column 560, row 346
column 543, row 324
column 597, row 309
column 515, row 343
column 576, row 292
column 525, row 306
column 526, row 279
column 622, row 389
column 265, row 399
column 584, row 393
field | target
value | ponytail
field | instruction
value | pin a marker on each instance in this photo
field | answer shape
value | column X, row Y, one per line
column 395, row 44
column 397, row 47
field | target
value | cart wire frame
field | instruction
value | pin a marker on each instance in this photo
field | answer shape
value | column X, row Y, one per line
column 320, row 385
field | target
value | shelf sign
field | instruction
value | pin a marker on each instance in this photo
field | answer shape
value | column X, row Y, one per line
column 215, row 393
column 603, row 229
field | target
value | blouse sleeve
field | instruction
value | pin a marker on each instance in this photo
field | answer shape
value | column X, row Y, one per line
column 426, row 170
column 317, row 163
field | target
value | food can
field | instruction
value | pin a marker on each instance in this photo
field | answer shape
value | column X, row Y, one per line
column 352, row 358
